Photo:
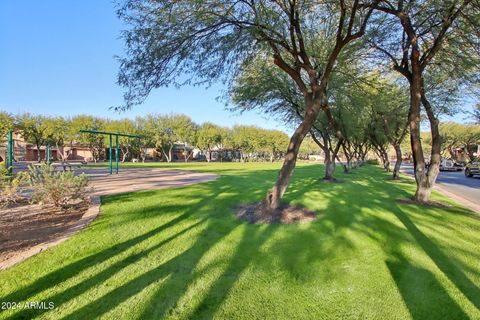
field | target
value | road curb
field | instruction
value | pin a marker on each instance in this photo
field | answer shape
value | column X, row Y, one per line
column 461, row 200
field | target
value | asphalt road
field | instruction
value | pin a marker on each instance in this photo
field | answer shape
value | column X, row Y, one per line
column 455, row 182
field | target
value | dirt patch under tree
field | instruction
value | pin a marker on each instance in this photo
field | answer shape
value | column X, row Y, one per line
column 285, row 214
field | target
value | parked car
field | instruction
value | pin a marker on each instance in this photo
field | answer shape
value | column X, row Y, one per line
column 450, row 165
column 473, row 168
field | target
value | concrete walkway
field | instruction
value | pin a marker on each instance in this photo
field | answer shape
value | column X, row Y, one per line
column 129, row 180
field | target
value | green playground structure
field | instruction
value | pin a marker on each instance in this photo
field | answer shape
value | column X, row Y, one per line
column 111, row 134
column 9, row 162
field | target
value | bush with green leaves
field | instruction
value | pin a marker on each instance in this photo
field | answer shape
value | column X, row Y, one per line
column 60, row 189
column 372, row 161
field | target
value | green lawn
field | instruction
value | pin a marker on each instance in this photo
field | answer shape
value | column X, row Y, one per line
column 180, row 253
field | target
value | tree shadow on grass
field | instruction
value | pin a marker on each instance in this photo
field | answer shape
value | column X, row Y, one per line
column 442, row 261
column 105, row 274
column 196, row 207
column 176, row 269
column 71, row 270
column 247, row 250
column 358, row 192
column 424, row 296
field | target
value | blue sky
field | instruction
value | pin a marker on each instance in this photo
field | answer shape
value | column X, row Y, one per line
column 57, row 58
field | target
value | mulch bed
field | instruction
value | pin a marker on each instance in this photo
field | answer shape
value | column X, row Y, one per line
column 25, row 225
column 286, row 214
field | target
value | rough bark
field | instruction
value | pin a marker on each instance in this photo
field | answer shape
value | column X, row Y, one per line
column 275, row 194
column 398, row 163
column 386, row 160
column 329, row 169
column 435, row 156
column 330, row 154
column 422, row 194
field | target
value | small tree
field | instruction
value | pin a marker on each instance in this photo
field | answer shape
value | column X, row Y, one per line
column 209, row 136
column 124, row 143
column 275, row 143
column 7, row 123
column 34, row 130
column 94, row 142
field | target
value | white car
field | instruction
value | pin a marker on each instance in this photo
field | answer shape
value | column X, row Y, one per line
column 449, row 165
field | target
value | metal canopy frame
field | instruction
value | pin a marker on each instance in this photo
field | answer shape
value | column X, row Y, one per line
column 9, row 163
column 111, row 134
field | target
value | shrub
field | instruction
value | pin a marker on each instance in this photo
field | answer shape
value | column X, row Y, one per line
column 10, row 188
column 372, row 161
column 61, row 189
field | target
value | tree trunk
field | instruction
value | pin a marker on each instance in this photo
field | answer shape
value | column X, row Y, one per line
column 435, row 155
column 422, row 194
column 124, row 155
column 329, row 169
column 170, row 157
column 275, row 194
column 39, row 156
column 398, row 163
column 386, row 161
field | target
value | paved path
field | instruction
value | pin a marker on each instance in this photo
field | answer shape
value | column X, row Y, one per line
column 129, row 180
column 455, row 183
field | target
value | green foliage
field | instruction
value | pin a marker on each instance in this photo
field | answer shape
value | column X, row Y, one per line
column 372, row 162
column 95, row 142
column 209, row 136
column 7, row 122
column 60, row 189
column 34, row 128
column 455, row 135
column 164, row 131
column 126, row 126
column 255, row 143
column 308, row 147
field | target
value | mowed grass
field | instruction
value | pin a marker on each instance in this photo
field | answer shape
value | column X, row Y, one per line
column 181, row 254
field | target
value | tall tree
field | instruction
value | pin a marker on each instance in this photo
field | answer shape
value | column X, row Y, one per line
column 411, row 34
column 167, row 40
